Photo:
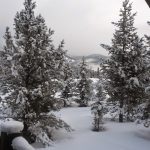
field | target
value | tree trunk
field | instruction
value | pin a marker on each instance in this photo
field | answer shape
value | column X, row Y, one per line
column 120, row 117
column 27, row 134
column 121, row 113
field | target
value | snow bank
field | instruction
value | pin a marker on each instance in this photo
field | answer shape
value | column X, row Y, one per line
column 118, row 136
column 20, row 143
column 11, row 127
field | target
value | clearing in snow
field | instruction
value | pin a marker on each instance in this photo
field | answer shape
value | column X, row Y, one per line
column 118, row 136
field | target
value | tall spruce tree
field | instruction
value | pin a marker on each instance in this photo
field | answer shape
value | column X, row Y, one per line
column 60, row 61
column 6, row 56
column 97, row 107
column 68, row 81
column 135, row 72
column 100, row 92
column 125, row 66
column 83, row 85
column 146, row 113
column 34, row 65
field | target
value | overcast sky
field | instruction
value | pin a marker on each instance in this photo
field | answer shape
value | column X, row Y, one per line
column 83, row 24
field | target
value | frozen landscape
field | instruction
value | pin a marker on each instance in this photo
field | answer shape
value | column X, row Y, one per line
column 59, row 97
column 117, row 136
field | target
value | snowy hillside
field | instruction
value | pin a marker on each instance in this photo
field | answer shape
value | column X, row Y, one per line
column 126, row 136
column 93, row 61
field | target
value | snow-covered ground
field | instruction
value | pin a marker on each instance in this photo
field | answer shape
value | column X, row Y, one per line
column 118, row 136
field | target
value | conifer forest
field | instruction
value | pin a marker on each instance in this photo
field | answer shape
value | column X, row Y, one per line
column 57, row 99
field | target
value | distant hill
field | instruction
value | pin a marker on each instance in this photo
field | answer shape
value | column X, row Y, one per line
column 93, row 60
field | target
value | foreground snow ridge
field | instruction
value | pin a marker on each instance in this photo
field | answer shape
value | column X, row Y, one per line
column 11, row 127
column 124, row 136
column 20, row 143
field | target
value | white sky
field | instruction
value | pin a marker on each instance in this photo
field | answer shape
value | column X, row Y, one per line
column 83, row 24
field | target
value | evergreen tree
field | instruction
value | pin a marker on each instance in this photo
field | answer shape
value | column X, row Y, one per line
column 146, row 113
column 67, row 90
column 100, row 92
column 135, row 72
column 59, row 61
column 125, row 66
column 59, row 65
column 6, row 63
column 98, row 72
column 83, row 85
column 97, row 107
column 97, row 111
column 34, row 65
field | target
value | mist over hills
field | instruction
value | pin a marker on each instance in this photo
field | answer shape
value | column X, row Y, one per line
column 93, row 61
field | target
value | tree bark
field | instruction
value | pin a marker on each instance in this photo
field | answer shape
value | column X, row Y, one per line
column 121, row 113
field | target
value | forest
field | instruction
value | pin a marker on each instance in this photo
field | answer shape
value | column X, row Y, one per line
column 48, row 100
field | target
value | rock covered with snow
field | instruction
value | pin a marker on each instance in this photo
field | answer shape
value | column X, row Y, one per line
column 11, row 127
column 20, row 143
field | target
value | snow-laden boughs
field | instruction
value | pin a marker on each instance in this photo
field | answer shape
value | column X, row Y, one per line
column 34, row 66
column 97, row 107
column 147, row 81
column 101, row 96
column 83, row 85
column 97, row 111
column 45, row 128
column 6, row 56
column 136, row 71
column 125, row 69
column 68, row 85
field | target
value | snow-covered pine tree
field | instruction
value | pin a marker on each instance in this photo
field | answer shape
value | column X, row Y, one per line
column 135, row 74
column 97, row 111
column 59, row 64
column 6, row 63
column 97, row 107
column 68, row 81
column 116, row 69
column 146, row 114
column 100, row 92
column 34, row 68
column 60, row 60
column 83, row 85
column 98, row 73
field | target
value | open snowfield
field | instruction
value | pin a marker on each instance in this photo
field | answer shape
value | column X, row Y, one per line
column 125, row 136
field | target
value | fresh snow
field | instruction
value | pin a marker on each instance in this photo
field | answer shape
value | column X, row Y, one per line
column 117, row 136
column 20, row 143
column 11, row 127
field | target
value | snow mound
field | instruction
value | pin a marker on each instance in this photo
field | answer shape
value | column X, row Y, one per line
column 11, row 127
column 142, row 132
column 20, row 143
